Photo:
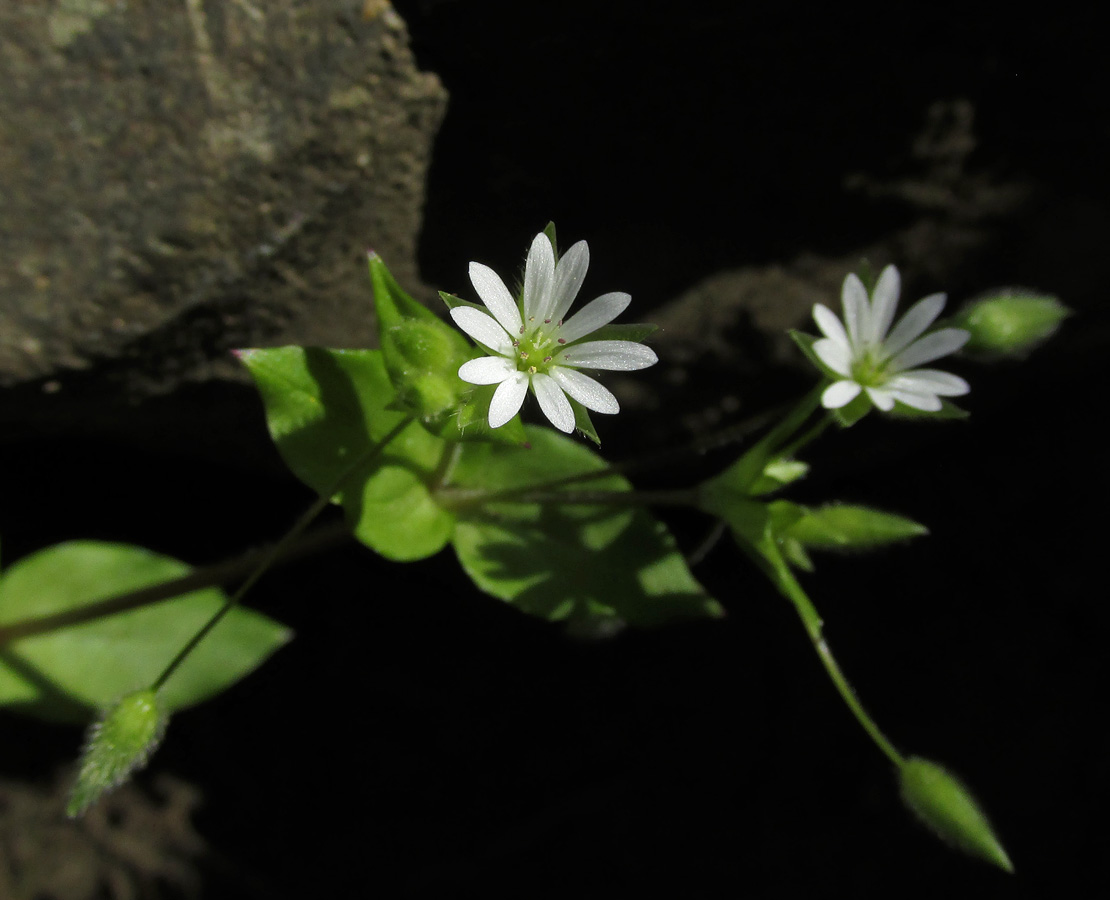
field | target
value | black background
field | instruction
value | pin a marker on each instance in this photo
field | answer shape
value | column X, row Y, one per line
column 419, row 739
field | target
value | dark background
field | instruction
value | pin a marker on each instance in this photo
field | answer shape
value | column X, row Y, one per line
column 419, row 739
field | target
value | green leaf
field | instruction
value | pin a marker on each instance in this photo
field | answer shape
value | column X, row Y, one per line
column 846, row 527
column 69, row 673
column 119, row 743
column 948, row 808
column 1010, row 322
column 777, row 474
column 595, row 566
column 327, row 410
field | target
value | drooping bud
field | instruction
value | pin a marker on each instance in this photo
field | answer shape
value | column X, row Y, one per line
column 948, row 808
column 118, row 743
column 1010, row 322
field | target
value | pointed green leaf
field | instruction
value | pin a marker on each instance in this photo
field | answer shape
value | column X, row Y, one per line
column 596, row 566
column 948, row 808
column 120, row 742
column 847, row 527
column 68, row 673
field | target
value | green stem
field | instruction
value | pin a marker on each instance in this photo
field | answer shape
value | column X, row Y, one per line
column 458, row 499
column 276, row 551
column 789, row 587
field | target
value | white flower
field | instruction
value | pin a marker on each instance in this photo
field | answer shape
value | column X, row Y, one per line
column 869, row 359
column 539, row 348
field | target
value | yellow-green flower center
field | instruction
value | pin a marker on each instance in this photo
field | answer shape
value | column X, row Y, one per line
column 537, row 345
column 869, row 369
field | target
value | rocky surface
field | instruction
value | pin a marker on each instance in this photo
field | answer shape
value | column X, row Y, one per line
column 183, row 178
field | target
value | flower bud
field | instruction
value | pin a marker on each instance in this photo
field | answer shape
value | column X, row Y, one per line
column 120, row 742
column 1010, row 322
column 947, row 807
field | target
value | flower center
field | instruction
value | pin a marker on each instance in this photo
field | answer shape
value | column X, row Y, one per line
column 869, row 369
column 537, row 345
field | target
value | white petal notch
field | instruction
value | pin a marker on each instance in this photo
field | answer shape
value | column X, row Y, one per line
column 534, row 348
column 868, row 357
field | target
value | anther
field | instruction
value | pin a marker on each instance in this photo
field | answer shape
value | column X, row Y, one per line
column 546, row 321
column 547, row 359
column 522, row 329
column 562, row 340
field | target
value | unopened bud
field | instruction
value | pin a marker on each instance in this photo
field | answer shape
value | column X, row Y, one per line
column 947, row 807
column 1010, row 322
column 119, row 743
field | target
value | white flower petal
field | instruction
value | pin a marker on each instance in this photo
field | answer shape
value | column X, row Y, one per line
column 587, row 391
column 881, row 398
column 857, row 309
column 884, row 302
column 593, row 315
column 486, row 370
column 507, row 399
column 839, row 393
column 539, row 278
column 830, row 325
column 617, row 356
column 835, row 355
column 496, row 297
column 926, row 402
column 929, row 381
column 483, row 328
column 913, row 324
column 553, row 402
column 932, row 346
column 569, row 275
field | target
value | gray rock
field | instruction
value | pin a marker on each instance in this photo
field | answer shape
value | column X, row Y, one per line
column 179, row 179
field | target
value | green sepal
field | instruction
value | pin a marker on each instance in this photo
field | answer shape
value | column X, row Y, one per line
column 631, row 332
column 582, row 421
column 847, row 415
column 452, row 302
column 328, row 411
column 1010, row 322
column 118, row 744
column 69, row 672
column 942, row 803
column 472, row 420
column 846, row 527
column 549, row 232
column 948, row 412
column 595, row 566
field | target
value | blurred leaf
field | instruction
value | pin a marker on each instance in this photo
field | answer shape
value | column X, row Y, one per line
column 69, row 673
column 119, row 743
column 777, row 474
column 596, row 566
column 846, row 527
column 949, row 809
column 328, row 409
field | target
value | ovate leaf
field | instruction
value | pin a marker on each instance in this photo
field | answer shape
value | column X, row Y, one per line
column 70, row 673
column 594, row 565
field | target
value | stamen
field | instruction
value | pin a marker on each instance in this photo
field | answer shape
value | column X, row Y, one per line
column 562, row 340
column 531, row 370
column 546, row 321
column 522, row 329
column 547, row 359
column 523, row 354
